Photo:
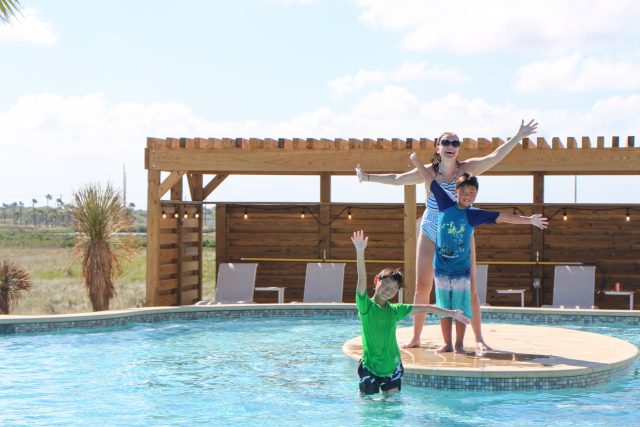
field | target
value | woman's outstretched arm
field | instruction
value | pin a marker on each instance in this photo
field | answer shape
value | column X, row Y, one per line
column 479, row 165
column 407, row 178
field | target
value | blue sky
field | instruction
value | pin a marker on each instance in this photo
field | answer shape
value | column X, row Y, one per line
column 87, row 82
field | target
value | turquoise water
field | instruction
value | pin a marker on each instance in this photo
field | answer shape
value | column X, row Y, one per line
column 282, row 371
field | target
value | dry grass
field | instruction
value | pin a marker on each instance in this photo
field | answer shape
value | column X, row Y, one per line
column 58, row 286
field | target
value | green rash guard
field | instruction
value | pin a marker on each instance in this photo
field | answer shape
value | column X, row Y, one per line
column 381, row 353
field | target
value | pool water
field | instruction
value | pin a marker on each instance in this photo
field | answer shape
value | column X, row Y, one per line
column 282, row 371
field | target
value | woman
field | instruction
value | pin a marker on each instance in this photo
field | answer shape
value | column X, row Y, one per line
column 447, row 168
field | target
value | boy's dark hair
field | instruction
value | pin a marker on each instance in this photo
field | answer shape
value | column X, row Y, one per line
column 467, row 180
column 393, row 274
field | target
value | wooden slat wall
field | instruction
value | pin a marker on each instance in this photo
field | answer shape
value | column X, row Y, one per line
column 598, row 235
column 593, row 234
column 179, row 273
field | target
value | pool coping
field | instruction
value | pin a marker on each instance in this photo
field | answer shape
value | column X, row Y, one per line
column 153, row 314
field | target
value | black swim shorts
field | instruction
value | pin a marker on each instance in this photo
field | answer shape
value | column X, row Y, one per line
column 372, row 384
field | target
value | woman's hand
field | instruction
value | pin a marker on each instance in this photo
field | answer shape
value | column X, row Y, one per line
column 528, row 129
column 361, row 175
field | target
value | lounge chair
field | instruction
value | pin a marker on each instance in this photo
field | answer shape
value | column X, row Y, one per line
column 323, row 282
column 235, row 284
column 481, row 282
column 574, row 286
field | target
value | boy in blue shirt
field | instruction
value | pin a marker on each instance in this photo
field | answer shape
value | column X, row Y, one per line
column 452, row 259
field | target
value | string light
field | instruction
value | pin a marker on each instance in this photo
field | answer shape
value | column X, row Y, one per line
column 175, row 215
column 246, row 215
column 628, row 217
column 349, row 213
column 564, row 214
column 186, row 215
column 196, row 215
column 164, row 215
column 302, row 213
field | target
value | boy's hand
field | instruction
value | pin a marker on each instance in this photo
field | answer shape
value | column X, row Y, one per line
column 528, row 129
column 414, row 158
column 460, row 317
column 359, row 241
column 361, row 175
column 538, row 220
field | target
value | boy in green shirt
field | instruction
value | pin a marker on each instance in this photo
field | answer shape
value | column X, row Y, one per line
column 380, row 366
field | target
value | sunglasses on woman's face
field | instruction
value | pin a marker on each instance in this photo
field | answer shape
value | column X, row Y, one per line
column 455, row 143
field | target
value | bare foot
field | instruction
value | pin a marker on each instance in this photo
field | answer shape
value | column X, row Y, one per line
column 444, row 349
column 415, row 342
column 482, row 348
column 459, row 349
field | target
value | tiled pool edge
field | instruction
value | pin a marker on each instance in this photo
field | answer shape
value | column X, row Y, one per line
column 479, row 383
column 10, row 324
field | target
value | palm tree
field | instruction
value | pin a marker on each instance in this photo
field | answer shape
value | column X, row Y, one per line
column 33, row 210
column 8, row 8
column 13, row 280
column 99, row 215
column 46, row 217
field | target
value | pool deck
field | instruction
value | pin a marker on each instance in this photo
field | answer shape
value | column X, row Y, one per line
column 523, row 357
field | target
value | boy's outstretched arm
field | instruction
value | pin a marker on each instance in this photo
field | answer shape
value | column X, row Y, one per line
column 434, row 309
column 536, row 220
column 360, row 242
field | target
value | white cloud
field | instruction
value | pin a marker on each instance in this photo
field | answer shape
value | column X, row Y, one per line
column 574, row 73
column 54, row 144
column 347, row 84
column 420, row 71
column 409, row 71
column 29, row 27
column 471, row 27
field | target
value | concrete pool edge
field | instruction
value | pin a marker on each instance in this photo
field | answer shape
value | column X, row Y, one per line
column 12, row 324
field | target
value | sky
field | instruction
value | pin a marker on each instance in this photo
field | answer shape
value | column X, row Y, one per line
column 85, row 83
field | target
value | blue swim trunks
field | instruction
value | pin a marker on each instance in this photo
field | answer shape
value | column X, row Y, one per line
column 454, row 293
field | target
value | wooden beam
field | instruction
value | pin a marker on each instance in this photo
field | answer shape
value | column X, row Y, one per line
column 410, row 242
column 537, row 235
column 324, row 248
column 195, row 186
column 212, row 185
column 153, row 235
column 596, row 161
column 169, row 182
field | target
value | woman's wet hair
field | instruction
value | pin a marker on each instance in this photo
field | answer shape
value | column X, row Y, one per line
column 467, row 180
column 392, row 274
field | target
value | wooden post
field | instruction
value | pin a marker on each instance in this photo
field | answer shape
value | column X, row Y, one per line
column 221, row 236
column 324, row 246
column 153, row 235
column 409, row 243
column 537, row 236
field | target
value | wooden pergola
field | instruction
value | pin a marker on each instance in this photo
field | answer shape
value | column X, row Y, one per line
column 215, row 159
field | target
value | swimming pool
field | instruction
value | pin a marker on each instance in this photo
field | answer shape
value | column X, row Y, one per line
column 255, row 371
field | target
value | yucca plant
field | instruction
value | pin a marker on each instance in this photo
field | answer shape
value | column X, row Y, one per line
column 13, row 281
column 99, row 217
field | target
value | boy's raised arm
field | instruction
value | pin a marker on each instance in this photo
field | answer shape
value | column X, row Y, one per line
column 360, row 242
column 427, row 173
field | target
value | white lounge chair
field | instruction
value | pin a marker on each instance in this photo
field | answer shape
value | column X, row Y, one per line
column 574, row 286
column 235, row 284
column 323, row 282
column 481, row 282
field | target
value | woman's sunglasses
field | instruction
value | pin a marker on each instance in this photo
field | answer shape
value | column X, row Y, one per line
column 455, row 143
